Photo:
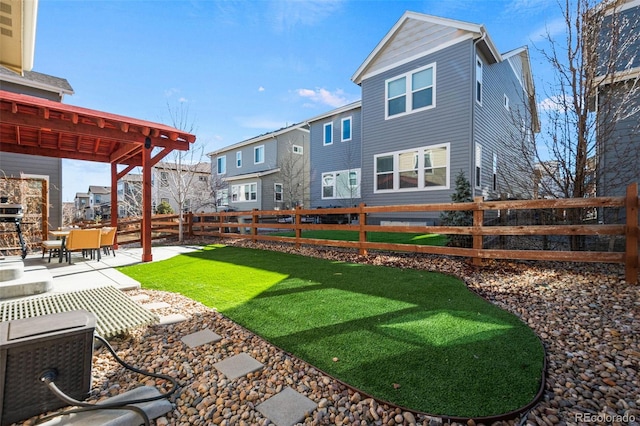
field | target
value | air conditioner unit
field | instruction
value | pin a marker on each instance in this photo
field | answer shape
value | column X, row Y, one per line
column 29, row 347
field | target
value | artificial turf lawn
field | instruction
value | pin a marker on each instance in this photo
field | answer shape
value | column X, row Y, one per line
column 374, row 237
column 450, row 352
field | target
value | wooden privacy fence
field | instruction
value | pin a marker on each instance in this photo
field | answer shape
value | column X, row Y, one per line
column 253, row 224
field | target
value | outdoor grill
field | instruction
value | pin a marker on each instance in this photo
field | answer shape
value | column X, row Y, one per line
column 13, row 213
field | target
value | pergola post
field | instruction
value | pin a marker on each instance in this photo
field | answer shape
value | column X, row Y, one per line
column 145, row 226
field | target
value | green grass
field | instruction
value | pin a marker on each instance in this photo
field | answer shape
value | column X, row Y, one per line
column 451, row 352
column 377, row 237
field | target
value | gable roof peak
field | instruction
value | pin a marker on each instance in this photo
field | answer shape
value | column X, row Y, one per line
column 438, row 33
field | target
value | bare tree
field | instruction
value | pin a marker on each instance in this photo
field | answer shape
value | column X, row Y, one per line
column 589, row 104
column 294, row 166
column 185, row 177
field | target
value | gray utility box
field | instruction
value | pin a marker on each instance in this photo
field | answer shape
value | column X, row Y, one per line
column 28, row 347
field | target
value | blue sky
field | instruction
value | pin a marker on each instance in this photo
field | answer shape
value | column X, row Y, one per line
column 241, row 68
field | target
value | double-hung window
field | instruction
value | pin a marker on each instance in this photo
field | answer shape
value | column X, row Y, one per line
column 341, row 184
column 277, row 192
column 244, row 192
column 239, row 159
column 258, row 154
column 327, row 138
column 222, row 165
column 411, row 92
column 424, row 168
column 346, row 129
column 478, row 177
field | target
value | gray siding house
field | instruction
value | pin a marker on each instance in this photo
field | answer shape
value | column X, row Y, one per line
column 50, row 169
column 336, row 157
column 268, row 172
column 618, row 98
column 438, row 98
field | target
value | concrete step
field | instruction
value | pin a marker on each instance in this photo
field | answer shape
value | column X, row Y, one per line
column 34, row 281
column 11, row 269
column 153, row 409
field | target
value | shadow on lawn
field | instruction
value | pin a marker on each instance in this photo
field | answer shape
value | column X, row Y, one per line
column 416, row 338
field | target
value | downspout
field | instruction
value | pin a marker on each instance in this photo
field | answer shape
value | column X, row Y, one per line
column 472, row 168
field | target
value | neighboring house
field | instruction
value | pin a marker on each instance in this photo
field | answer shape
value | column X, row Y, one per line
column 130, row 195
column 99, row 202
column 336, row 157
column 80, row 205
column 438, row 98
column 16, row 165
column 618, row 96
column 187, row 182
column 268, row 172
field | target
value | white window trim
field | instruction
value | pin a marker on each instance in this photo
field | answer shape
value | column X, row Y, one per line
column 297, row 149
column 324, row 133
column 477, row 172
column 408, row 92
column 350, row 120
column 223, row 159
column 494, row 181
column 335, row 183
column 239, row 189
column 255, row 149
column 479, row 71
column 421, row 170
column 239, row 159
column 506, row 102
column 275, row 192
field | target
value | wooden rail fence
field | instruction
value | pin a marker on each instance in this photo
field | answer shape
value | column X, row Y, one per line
column 253, row 224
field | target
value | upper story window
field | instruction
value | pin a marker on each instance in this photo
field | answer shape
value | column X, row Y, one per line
column 346, row 129
column 411, row 92
column 239, row 159
column 297, row 149
column 164, row 179
column 479, row 67
column 506, row 102
column 258, row 154
column 202, row 178
column 222, row 164
column 328, row 134
column 423, row 168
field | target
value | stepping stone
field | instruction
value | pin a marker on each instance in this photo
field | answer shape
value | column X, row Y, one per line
column 201, row 337
column 156, row 306
column 140, row 297
column 171, row 319
column 287, row 408
column 238, row 366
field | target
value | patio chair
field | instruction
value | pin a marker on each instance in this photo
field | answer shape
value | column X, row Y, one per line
column 108, row 239
column 51, row 246
column 83, row 240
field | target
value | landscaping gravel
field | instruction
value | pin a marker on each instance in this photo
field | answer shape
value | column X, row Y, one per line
column 586, row 315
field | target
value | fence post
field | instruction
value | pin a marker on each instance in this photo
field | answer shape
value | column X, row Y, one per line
column 254, row 221
column 190, row 224
column 297, row 221
column 478, row 220
column 362, row 221
column 631, row 261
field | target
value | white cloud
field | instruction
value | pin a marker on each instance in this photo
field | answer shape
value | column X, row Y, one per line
column 550, row 30
column 287, row 14
column 261, row 89
column 557, row 103
column 258, row 122
column 324, row 97
column 183, row 100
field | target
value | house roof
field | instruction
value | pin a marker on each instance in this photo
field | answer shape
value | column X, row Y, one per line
column 38, row 80
column 82, row 195
column 252, row 175
column 299, row 126
column 340, row 110
column 36, row 126
column 95, row 189
column 202, row 167
column 416, row 35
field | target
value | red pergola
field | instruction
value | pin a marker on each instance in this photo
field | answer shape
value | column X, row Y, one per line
column 36, row 126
